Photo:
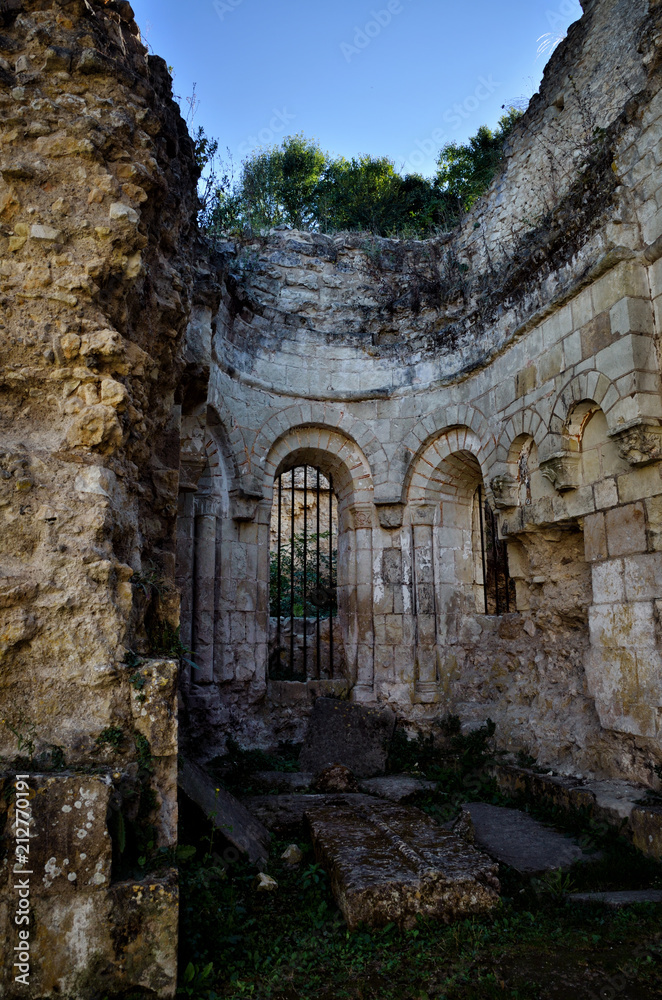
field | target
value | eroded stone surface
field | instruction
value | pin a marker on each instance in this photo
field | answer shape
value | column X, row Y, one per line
column 71, row 851
column 520, row 841
column 154, row 704
column 285, row 812
column 342, row 733
column 282, row 781
column 101, row 943
column 336, row 778
column 388, row 864
column 609, row 802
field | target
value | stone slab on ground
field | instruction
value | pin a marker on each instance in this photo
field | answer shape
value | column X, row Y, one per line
column 516, row 839
column 388, row 863
column 397, row 787
column 228, row 815
column 617, row 900
column 343, row 733
column 284, row 812
column 283, row 781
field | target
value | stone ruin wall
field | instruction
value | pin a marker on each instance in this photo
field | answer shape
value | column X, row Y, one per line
column 530, row 332
column 152, row 389
column 97, row 266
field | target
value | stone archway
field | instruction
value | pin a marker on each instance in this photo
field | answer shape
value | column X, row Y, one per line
column 341, row 460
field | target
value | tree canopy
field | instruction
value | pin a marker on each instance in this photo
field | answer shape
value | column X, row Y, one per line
column 299, row 184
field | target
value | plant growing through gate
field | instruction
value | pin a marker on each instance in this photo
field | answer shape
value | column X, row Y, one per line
column 320, row 591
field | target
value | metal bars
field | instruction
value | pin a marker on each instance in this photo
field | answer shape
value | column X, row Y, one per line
column 308, row 581
column 497, row 584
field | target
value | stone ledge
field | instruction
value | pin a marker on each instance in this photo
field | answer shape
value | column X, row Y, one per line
column 616, row 803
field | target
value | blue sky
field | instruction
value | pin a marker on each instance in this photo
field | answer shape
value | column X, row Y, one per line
column 391, row 77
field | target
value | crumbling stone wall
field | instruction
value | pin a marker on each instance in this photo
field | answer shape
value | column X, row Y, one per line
column 522, row 348
column 148, row 381
column 97, row 231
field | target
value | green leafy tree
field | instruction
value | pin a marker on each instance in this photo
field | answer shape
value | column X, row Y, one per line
column 298, row 184
column 466, row 169
column 302, row 166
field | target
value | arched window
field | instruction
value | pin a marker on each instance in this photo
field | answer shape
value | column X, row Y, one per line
column 303, row 602
column 496, row 594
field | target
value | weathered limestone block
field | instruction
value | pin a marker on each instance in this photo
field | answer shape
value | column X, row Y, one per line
column 286, row 812
column 154, row 705
column 387, row 864
column 100, row 943
column 71, row 850
column 645, row 824
column 163, row 781
column 397, row 787
column 342, row 733
column 516, row 839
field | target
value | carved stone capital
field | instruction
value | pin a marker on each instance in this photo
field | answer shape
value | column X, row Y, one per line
column 424, row 514
column 505, row 490
column 390, row 515
column 206, row 506
column 243, row 508
column 362, row 517
column 190, row 469
column 639, row 444
column 562, row 470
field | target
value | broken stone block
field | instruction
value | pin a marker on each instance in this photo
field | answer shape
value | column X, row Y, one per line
column 336, row 778
column 282, row 781
column 389, row 863
column 397, row 787
column 102, row 943
column 343, row 733
column 228, row 815
column 518, row 840
column 154, row 705
column 69, row 848
column 646, row 829
column 286, row 812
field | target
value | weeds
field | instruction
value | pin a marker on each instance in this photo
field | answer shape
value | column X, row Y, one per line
column 294, row 943
column 111, row 737
column 25, row 732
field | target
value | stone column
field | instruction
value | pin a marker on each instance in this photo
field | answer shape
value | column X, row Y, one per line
column 362, row 603
column 184, row 575
column 426, row 672
column 204, row 584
